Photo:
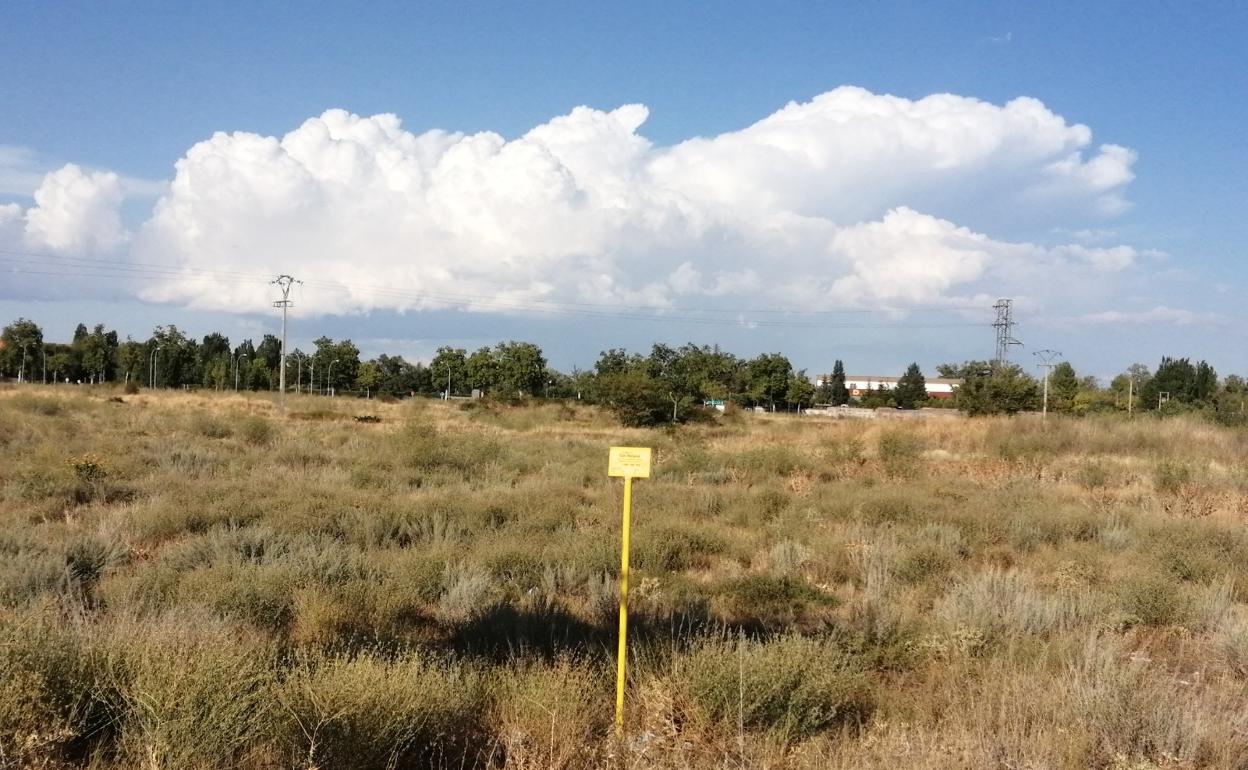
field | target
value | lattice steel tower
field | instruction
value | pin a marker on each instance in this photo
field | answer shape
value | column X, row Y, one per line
column 1005, row 331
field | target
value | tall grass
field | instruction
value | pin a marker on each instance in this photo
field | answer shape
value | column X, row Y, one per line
column 196, row 581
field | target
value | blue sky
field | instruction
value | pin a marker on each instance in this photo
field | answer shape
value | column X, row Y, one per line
column 131, row 87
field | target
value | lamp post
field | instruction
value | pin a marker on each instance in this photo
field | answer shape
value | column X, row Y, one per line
column 21, row 375
column 236, row 359
column 329, row 378
column 151, row 367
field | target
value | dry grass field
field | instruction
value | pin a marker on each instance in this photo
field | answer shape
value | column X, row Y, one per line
column 195, row 581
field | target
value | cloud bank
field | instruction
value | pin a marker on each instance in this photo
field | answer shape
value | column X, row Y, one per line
column 852, row 199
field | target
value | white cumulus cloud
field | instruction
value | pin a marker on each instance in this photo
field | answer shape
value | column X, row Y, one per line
column 76, row 211
column 851, row 198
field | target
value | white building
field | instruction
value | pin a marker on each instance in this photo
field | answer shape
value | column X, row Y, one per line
column 862, row 384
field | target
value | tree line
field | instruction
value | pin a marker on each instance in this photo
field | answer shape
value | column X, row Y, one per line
column 669, row 384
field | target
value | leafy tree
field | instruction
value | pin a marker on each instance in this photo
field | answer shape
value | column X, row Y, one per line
column 634, row 396
column 876, row 399
column 270, row 351
column 483, row 370
column 911, row 389
column 337, row 363
column 801, row 391
column 521, row 368
column 840, row 393
column 1180, row 380
column 61, row 363
column 175, row 358
column 768, row 378
column 259, row 376
column 21, row 343
column 130, row 360
column 96, row 352
column 1063, row 387
column 449, row 370
column 368, row 377
column 214, row 361
column 1002, row 389
column 616, row 361
column 400, row 378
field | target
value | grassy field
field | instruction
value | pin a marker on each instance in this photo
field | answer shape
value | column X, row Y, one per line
column 195, row 581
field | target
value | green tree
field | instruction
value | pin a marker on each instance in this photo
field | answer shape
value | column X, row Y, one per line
column 1063, row 387
column 337, row 363
column 768, row 378
column 449, row 370
column 21, row 344
column 368, row 378
column 97, row 353
column 840, row 393
column 400, row 378
column 483, row 370
column 801, row 391
column 130, row 360
column 214, row 361
column 633, row 396
column 270, row 351
column 911, row 390
column 1179, row 380
column 175, row 358
column 521, row 368
column 1003, row 389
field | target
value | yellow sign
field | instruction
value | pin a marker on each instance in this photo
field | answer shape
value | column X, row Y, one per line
column 631, row 462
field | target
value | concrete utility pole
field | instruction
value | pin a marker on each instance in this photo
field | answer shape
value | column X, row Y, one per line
column 283, row 282
column 329, row 378
column 236, row 360
column 1046, row 357
column 1005, row 331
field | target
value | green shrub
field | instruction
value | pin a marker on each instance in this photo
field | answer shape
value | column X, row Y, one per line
column 55, row 702
column 210, row 426
column 552, row 716
column 196, row 696
column 1169, row 477
column 256, row 431
column 888, row 509
column 1153, row 600
column 899, row 452
column 365, row 712
column 674, row 548
column 767, row 599
column 790, row 686
column 924, row 562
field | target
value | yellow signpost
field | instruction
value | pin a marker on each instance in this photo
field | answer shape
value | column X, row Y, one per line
column 630, row 463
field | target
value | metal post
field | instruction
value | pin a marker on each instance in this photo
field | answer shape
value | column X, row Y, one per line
column 329, row 378
column 284, row 283
column 622, row 653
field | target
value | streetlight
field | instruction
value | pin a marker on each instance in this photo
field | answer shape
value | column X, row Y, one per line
column 21, row 375
column 236, row 358
column 151, row 367
column 329, row 378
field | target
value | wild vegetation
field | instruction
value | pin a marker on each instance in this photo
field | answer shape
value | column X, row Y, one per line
column 197, row 581
column 668, row 385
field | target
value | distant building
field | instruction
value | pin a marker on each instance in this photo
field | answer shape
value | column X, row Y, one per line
column 862, row 384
